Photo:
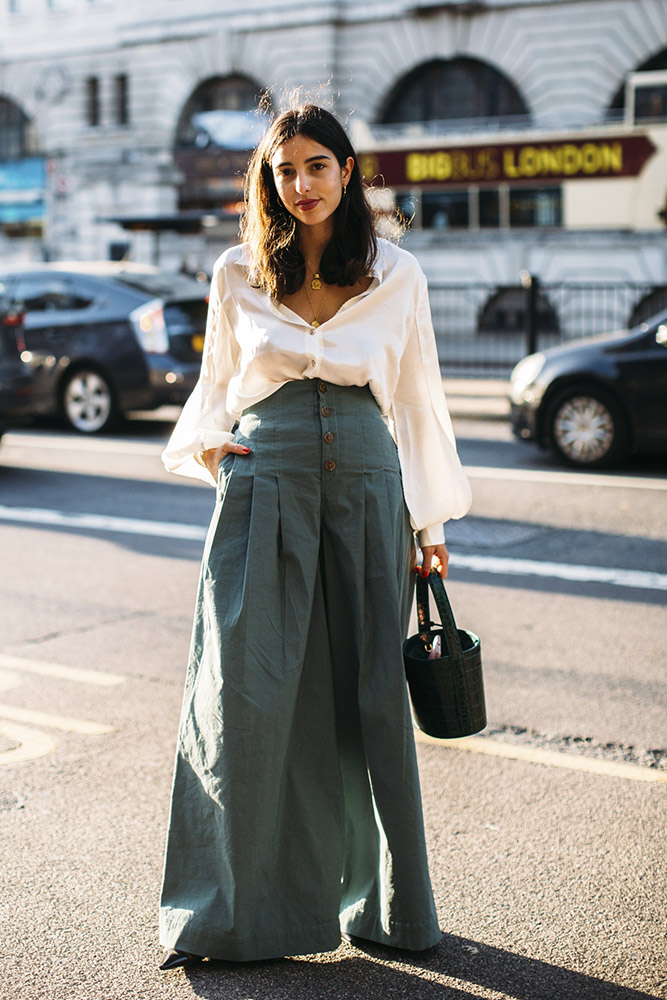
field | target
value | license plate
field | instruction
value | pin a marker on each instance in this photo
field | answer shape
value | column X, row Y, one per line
column 198, row 342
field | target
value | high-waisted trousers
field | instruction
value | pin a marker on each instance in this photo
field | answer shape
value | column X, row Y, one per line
column 296, row 810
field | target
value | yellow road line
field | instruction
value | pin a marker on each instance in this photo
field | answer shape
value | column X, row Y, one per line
column 64, row 722
column 56, row 670
column 32, row 743
column 551, row 758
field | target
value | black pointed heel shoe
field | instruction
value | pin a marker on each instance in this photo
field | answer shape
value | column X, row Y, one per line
column 175, row 959
column 365, row 944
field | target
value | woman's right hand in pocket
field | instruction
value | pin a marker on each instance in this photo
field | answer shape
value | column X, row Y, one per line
column 212, row 457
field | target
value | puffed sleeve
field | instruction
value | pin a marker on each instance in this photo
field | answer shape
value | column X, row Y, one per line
column 434, row 484
column 204, row 421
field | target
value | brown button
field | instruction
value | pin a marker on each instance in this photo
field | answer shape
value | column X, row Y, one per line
column 330, row 465
column 325, row 411
column 313, row 363
column 328, row 437
column 322, row 387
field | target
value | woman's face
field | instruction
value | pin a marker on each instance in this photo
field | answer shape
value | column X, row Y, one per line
column 309, row 179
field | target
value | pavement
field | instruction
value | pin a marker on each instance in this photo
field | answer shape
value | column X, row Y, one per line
column 477, row 398
column 548, row 869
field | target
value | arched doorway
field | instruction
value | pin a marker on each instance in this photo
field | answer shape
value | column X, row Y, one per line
column 444, row 90
column 14, row 132
column 221, row 122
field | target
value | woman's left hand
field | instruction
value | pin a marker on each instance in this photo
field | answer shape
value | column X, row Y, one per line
column 436, row 557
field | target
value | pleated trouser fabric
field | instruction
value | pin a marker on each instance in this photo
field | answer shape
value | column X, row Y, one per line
column 296, row 809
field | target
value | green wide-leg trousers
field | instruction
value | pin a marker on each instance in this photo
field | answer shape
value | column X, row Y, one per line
column 296, row 810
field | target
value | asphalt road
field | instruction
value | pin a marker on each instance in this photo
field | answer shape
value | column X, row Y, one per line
column 546, row 835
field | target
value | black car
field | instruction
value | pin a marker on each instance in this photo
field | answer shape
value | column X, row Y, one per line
column 94, row 341
column 597, row 401
column 16, row 385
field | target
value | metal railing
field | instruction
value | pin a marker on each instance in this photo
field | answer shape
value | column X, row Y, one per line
column 485, row 329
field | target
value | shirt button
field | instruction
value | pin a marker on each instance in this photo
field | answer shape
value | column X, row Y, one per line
column 313, row 363
column 311, row 332
column 325, row 411
column 322, row 387
column 330, row 465
column 328, row 437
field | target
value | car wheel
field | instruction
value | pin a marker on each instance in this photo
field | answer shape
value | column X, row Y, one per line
column 87, row 401
column 588, row 428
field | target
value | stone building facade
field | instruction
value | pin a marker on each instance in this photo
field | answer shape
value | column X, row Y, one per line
column 517, row 134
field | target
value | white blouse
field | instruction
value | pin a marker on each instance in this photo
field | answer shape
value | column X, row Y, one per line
column 382, row 338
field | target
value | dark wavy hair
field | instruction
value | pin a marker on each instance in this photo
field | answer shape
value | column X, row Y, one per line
column 271, row 232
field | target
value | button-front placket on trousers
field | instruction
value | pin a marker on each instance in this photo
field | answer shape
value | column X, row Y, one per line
column 296, row 810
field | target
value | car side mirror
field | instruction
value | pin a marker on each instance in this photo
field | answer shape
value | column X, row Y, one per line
column 661, row 335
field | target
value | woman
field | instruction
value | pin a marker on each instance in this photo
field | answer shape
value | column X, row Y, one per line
column 296, row 813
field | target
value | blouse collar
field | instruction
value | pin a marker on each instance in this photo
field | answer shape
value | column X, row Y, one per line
column 377, row 270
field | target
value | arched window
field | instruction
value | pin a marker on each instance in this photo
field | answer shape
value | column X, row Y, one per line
column 456, row 88
column 221, row 113
column 13, row 131
column 650, row 101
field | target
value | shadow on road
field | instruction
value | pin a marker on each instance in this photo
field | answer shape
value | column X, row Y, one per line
column 371, row 976
column 192, row 505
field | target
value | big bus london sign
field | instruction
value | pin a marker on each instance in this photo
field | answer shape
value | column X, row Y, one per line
column 622, row 156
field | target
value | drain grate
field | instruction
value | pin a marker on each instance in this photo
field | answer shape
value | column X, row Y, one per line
column 584, row 746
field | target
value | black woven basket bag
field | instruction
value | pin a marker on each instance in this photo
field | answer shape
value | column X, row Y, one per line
column 447, row 693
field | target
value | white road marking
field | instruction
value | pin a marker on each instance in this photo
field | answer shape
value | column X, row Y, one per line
column 551, row 758
column 8, row 680
column 103, row 522
column 66, row 723
column 565, row 478
column 53, row 442
column 32, row 744
column 615, row 576
column 636, row 579
column 56, row 670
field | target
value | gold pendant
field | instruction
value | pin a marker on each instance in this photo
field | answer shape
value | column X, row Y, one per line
column 316, row 284
column 315, row 323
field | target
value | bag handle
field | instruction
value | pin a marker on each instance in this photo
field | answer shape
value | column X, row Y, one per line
column 449, row 629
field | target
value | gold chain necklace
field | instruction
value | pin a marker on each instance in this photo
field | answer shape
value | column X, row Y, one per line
column 315, row 322
column 316, row 282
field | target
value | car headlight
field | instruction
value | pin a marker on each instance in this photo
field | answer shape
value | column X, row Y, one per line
column 149, row 327
column 524, row 374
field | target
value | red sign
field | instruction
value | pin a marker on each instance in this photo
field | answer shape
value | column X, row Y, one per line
column 622, row 156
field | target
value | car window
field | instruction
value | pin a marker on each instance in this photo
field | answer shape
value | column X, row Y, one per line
column 44, row 293
column 186, row 317
column 4, row 294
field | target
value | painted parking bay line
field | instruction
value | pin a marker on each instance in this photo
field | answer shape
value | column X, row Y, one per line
column 550, row 758
column 96, row 677
column 614, row 576
column 64, row 722
column 32, row 743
